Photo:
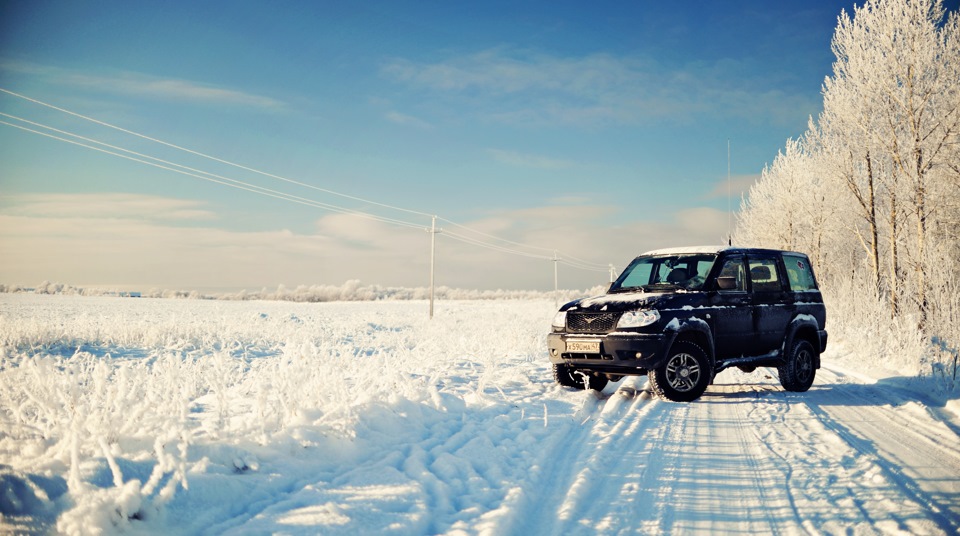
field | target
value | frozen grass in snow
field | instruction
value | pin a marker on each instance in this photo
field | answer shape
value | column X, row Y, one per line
column 127, row 404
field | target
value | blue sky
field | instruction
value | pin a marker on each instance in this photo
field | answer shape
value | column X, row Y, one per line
column 598, row 129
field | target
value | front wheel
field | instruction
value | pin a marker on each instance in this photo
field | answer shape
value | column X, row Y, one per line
column 798, row 372
column 569, row 377
column 685, row 375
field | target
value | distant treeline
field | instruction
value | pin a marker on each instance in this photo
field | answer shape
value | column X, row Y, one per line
column 351, row 290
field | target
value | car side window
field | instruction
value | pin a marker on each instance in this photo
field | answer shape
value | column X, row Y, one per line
column 764, row 275
column 732, row 278
column 799, row 273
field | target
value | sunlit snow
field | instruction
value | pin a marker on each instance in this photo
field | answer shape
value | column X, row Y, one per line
column 123, row 415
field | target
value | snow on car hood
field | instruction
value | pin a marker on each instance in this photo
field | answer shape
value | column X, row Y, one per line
column 628, row 301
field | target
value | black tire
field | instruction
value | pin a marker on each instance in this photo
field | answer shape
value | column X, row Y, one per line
column 685, row 374
column 569, row 377
column 798, row 372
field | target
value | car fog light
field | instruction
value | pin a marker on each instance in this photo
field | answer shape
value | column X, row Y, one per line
column 639, row 355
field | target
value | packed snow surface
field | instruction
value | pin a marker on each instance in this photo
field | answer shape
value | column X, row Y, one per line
column 143, row 416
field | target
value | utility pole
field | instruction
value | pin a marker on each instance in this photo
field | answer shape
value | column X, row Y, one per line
column 612, row 273
column 433, row 257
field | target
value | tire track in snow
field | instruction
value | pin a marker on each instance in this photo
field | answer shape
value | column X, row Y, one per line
column 836, row 486
column 776, row 502
column 660, row 479
column 666, row 468
column 611, row 493
column 572, row 482
column 746, row 458
column 713, row 476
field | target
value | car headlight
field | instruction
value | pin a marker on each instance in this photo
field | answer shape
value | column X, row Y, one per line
column 560, row 320
column 638, row 319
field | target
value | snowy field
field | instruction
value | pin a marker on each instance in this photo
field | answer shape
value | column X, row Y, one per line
column 134, row 416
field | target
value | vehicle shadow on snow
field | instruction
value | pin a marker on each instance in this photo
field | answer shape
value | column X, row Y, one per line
column 824, row 395
column 892, row 391
column 887, row 392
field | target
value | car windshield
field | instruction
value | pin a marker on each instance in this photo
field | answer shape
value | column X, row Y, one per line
column 663, row 272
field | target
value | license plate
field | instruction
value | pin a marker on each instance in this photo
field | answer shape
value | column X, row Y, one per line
column 583, row 347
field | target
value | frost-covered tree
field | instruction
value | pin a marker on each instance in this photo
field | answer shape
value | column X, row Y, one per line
column 791, row 206
column 897, row 79
column 873, row 186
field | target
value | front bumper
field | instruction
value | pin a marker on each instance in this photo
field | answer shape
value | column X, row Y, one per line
column 620, row 353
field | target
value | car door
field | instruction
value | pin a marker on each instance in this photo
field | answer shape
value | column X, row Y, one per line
column 733, row 314
column 772, row 309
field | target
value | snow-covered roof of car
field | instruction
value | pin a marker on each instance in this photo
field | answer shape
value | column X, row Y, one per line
column 688, row 250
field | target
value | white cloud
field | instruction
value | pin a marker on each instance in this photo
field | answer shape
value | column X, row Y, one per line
column 355, row 231
column 141, row 242
column 521, row 87
column 570, row 200
column 506, row 71
column 145, row 241
column 139, row 84
column 404, row 119
column 106, row 205
column 514, row 158
column 738, row 187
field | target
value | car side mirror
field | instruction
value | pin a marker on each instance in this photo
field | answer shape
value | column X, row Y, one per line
column 727, row 282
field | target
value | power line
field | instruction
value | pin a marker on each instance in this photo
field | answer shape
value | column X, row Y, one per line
column 503, row 249
column 481, row 233
column 234, row 183
column 215, row 159
column 225, row 181
column 493, row 247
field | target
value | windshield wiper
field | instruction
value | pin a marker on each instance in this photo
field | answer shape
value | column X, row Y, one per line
column 620, row 290
column 665, row 284
column 645, row 288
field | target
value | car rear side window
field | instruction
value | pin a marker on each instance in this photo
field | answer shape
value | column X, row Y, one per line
column 799, row 273
column 764, row 276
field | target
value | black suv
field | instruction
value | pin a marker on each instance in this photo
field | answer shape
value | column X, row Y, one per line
column 683, row 315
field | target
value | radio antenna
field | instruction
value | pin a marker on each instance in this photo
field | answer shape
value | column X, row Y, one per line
column 729, row 202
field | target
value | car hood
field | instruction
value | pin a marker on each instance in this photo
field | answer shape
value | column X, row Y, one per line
column 630, row 301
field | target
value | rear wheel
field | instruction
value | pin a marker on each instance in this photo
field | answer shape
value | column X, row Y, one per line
column 569, row 377
column 800, row 369
column 685, row 375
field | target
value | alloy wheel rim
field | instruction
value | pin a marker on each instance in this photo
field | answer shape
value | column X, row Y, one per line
column 804, row 365
column 683, row 372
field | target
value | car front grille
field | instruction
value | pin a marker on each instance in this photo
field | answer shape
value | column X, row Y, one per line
column 591, row 322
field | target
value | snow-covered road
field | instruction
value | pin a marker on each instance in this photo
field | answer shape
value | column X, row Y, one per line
column 749, row 457
column 259, row 417
column 746, row 458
